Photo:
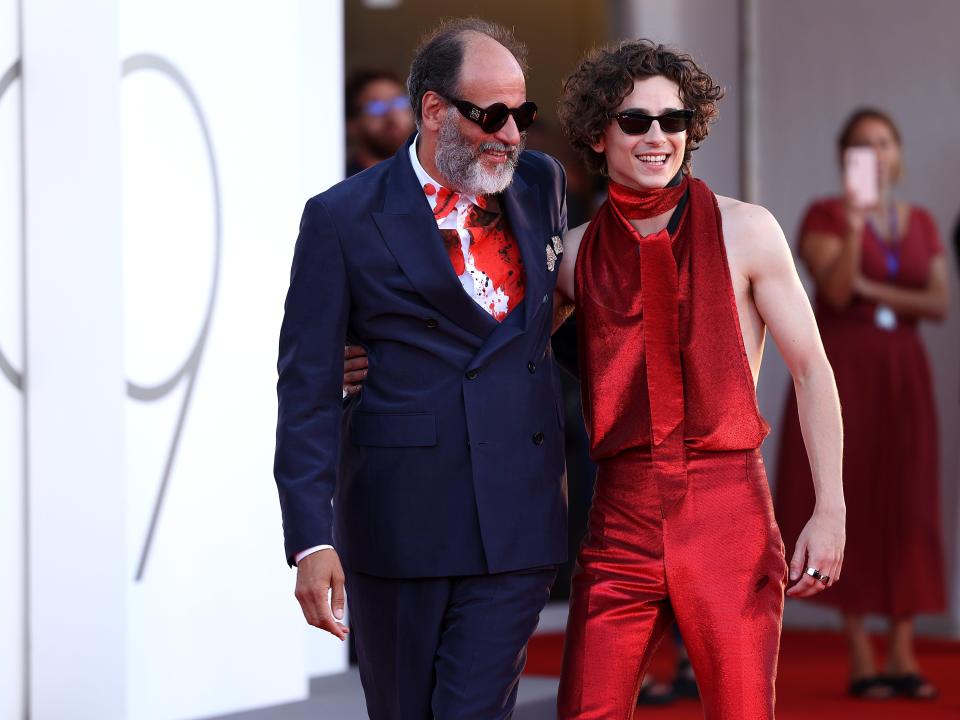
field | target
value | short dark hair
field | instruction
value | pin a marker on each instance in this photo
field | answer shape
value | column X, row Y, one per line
column 845, row 138
column 439, row 56
column 606, row 75
column 358, row 82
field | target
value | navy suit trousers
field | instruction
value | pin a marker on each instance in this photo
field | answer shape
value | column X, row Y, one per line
column 444, row 648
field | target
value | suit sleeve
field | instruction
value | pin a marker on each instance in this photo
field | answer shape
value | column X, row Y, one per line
column 309, row 387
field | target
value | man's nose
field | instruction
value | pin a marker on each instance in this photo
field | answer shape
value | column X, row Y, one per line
column 509, row 134
column 655, row 134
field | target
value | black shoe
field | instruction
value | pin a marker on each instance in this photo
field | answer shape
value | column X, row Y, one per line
column 685, row 683
column 653, row 693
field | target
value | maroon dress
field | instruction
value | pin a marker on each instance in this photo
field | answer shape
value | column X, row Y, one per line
column 893, row 563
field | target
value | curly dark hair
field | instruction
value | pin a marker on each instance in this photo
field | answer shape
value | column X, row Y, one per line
column 606, row 75
column 437, row 59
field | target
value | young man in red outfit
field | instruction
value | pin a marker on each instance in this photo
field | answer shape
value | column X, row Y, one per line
column 674, row 290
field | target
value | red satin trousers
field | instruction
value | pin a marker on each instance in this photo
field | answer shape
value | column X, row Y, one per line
column 688, row 536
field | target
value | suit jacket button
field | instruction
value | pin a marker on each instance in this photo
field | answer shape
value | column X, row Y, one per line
column 538, row 438
column 473, row 374
column 532, row 367
column 432, row 323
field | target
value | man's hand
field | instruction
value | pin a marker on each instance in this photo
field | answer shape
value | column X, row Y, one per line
column 317, row 575
column 354, row 368
column 820, row 546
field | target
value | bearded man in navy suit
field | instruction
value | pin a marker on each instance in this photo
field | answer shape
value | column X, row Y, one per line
column 437, row 495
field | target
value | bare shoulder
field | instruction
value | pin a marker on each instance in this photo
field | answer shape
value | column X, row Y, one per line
column 755, row 243
column 572, row 238
column 746, row 220
column 571, row 247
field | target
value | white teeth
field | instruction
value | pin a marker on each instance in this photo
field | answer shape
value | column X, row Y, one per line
column 652, row 158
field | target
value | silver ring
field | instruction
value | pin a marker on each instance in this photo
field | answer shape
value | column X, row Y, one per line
column 814, row 573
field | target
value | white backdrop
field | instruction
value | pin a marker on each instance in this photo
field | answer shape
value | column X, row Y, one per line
column 209, row 221
column 12, row 548
column 220, row 120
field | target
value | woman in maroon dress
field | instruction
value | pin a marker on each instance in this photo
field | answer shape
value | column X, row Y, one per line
column 879, row 272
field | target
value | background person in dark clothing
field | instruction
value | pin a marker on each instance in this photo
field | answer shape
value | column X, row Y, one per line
column 379, row 118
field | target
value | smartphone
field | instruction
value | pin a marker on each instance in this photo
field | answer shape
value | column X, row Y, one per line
column 861, row 175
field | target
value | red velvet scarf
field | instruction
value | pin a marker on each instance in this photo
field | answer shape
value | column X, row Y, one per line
column 661, row 350
column 643, row 204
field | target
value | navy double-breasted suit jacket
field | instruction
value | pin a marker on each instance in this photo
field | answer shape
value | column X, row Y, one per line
column 450, row 461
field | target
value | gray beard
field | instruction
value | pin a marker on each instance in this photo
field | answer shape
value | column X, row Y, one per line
column 459, row 161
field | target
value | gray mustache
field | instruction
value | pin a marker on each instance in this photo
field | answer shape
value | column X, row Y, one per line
column 511, row 149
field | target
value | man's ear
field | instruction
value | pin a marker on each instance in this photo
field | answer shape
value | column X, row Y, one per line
column 600, row 145
column 433, row 108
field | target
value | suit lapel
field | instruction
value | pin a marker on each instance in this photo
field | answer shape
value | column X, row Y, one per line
column 410, row 231
column 521, row 202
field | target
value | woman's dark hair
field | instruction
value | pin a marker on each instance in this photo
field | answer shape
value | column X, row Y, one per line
column 437, row 60
column 606, row 75
column 845, row 138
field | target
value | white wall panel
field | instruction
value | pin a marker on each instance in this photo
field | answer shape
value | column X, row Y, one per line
column 231, row 119
column 74, row 380
column 12, row 479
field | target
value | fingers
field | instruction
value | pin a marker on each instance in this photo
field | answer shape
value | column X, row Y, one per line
column 358, row 363
column 805, row 588
column 338, row 598
column 316, row 610
column 796, row 564
column 810, row 585
column 355, row 366
column 353, row 377
column 315, row 603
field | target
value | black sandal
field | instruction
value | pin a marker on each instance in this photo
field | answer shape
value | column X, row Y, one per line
column 910, row 686
column 862, row 688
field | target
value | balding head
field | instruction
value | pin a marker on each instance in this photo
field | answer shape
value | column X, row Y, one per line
column 489, row 72
column 457, row 52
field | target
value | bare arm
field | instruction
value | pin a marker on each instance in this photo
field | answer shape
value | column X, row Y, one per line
column 783, row 304
column 565, row 279
column 834, row 260
column 930, row 302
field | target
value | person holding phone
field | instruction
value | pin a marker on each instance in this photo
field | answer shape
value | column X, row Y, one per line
column 880, row 270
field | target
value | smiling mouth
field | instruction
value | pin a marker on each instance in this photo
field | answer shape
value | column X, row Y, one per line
column 658, row 160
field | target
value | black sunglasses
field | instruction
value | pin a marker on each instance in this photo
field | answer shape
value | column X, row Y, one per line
column 491, row 119
column 634, row 122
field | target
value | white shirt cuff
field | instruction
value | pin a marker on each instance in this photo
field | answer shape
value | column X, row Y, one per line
column 309, row 551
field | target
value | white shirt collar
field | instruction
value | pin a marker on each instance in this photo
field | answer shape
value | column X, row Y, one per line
column 424, row 177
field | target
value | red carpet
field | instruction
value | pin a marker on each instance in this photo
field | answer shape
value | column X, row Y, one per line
column 811, row 681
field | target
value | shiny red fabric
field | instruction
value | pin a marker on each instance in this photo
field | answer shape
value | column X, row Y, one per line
column 714, row 564
column 682, row 523
column 719, row 400
column 643, row 204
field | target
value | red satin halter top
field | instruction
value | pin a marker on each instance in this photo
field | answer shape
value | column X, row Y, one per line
column 698, row 374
